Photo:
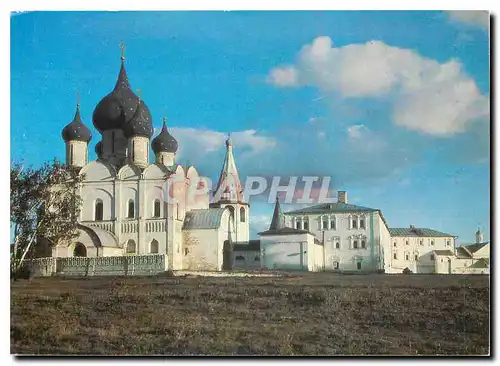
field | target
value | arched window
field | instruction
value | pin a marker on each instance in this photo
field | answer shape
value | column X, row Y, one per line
column 355, row 244
column 80, row 250
column 131, row 209
column 131, row 247
column 240, row 258
column 355, row 222
column 337, row 245
column 395, row 256
column 362, row 223
column 332, row 223
column 299, row 225
column 98, row 210
column 156, row 212
column 153, row 247
column 242, row 214
column 363, row 244
column 306, row 225
column 231, row 211
column 325, row 223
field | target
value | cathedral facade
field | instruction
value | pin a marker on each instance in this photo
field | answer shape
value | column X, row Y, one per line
column 134, row 207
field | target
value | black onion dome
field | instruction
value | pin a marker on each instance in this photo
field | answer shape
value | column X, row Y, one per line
column 140, row 124
column 116, row 108
column 164, row 142
column 76, row 130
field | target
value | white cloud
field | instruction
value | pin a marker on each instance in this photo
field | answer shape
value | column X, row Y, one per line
column 429, row 97
column 283, row 76
column 479, row 18
column 204, row 141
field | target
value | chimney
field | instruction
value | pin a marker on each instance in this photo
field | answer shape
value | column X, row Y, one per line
column 342, row 197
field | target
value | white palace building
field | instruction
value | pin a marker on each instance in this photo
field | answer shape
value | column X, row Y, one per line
column 129, row 220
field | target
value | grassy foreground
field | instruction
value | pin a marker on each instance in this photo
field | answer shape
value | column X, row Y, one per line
column 310, row 314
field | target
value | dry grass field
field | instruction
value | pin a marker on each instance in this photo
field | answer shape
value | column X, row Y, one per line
column 310, row 314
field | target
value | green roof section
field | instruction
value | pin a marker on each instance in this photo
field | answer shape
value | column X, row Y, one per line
column 443, row 252
column 481, row 263
column 418, row 232
column 203, row 219
column 331, row 208
column 474, row 247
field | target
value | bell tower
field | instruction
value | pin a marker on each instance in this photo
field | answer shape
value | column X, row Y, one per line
column 229, row 193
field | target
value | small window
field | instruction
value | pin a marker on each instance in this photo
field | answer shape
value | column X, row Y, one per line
column 407, row 242
column 306, row 225
column 298, row 225
column 332, row 224
column 98, row 210
column 130, row 247
column 395, row 256
column 416, row 257
column 432, row 242
column 354, row 224
column 336, row 265
column 355, row 244
column 186, row 251
column 131, row 209
column 432, row 257
column 256, row 259
column 153, row 248
column 363, row 244
column 337, row 245
column 325, row 224
column 421, row 242
column 240, row 258
column 242, row 214
column 448, row 243
column 362, row 223
column 394, row 243
column 156, row 212
column 407, row 257
column 80, row 250
column 359, row 265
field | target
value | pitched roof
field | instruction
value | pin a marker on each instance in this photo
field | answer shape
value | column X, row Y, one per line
column 203, row 219
column 331, row 208
column 420, row 232
column 481, row 263
column 475, row 247
column 251, row 245
column 443, row 252
column 284, row 231
column 277, row 222
column 463, row 253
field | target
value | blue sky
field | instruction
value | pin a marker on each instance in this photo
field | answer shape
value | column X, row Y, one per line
column 394, row 106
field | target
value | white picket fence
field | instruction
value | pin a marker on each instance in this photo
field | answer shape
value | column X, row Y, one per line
column 139, row 265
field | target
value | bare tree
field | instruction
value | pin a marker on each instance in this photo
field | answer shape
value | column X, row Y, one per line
column 44, row 203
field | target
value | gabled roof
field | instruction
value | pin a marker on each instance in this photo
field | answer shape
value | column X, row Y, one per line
column 475, row 247
column 443, row 252
column 419, row 232
column 335, row 207
column 203, row 219
column 331, row 208
column 463, row 253
column 481, row 263
column 284, row 231
column 251, row 245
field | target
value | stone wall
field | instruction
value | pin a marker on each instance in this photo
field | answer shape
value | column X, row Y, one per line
column 99, row 266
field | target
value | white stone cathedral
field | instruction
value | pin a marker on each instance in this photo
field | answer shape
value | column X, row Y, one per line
column 127, row 202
